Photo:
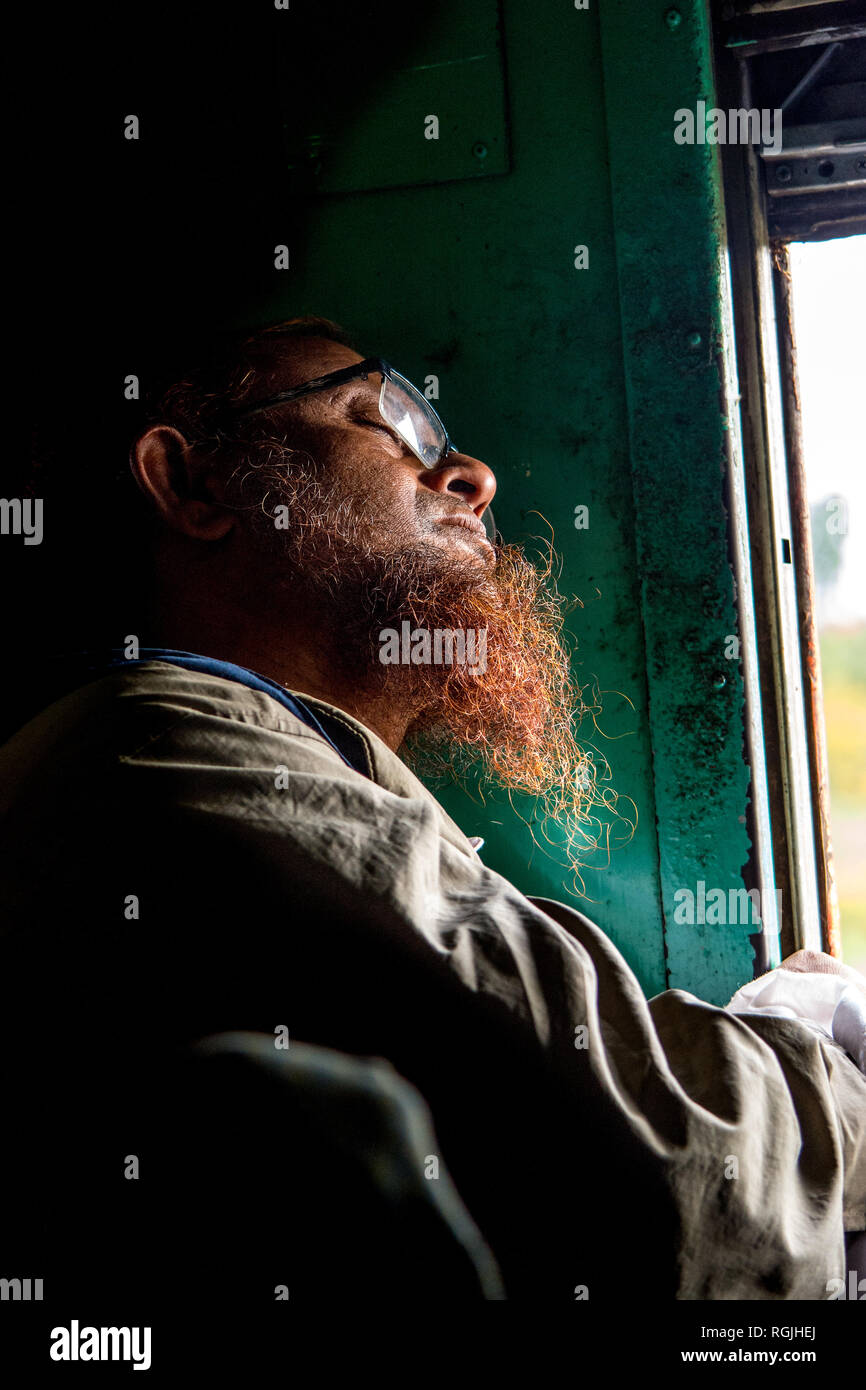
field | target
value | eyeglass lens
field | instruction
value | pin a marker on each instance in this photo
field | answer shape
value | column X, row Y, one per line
column 402, row 406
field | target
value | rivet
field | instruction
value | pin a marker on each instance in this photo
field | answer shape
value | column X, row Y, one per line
column 673, row 19
column 720, row 682
column 783, row 173
column 479, row 149
column 694, row 340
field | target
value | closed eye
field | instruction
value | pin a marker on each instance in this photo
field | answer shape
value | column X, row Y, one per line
column 377, row 425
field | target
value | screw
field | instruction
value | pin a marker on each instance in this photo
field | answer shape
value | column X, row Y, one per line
column 861, row 165
column 479, row 149
column 720, row 682
column 784, row 173
column 673, row 19
column 694, row 340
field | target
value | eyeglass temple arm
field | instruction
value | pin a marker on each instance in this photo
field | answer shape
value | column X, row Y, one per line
column 364, row 369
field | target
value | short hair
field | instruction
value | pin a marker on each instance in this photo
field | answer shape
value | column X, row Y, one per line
column 90, row 577
column 196, row 395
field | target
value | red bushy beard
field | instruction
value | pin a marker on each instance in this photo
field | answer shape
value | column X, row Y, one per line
column 512, row 722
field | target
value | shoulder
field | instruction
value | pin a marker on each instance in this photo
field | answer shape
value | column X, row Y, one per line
column 159, row 708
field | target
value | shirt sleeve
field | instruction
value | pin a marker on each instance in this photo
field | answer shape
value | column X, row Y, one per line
column 284, row 887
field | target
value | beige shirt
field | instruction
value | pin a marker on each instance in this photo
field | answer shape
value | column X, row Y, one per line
column 755, row 1127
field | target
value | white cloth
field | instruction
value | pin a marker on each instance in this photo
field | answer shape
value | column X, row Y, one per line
column 282, row 884
column 834, row 1004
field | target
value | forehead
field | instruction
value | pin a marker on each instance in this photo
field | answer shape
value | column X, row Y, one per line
column 283, row 364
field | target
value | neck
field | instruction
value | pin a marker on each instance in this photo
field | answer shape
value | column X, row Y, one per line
column 309, row 671
column 303, row 659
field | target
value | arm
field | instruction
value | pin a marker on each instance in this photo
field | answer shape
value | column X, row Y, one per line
column 568, row 1107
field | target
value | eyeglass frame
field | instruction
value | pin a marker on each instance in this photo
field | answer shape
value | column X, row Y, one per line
column 370, row 366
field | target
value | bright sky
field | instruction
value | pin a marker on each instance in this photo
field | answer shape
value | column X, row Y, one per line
column 829, row 279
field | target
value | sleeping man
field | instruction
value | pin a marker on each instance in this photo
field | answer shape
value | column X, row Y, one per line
column 214, row 831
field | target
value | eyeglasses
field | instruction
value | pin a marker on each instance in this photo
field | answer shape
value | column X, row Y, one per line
column 401, row 405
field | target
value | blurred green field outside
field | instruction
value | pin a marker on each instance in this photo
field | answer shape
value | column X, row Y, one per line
column 843, row 663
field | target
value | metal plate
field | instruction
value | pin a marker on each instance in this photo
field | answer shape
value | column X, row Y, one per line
column 452, row 70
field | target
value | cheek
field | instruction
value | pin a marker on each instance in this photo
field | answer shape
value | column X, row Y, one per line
column 393, row 496
column 380, row 489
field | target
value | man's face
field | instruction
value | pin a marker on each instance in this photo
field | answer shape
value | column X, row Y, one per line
column 362, row 461
column 371, row 539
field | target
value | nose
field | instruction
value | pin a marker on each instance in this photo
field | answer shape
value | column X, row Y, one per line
column 462, row 474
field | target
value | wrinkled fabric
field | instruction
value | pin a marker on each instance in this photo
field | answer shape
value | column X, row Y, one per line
column 277, row 885
column 833, row 1003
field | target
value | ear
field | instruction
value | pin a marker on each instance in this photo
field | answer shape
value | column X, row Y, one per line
column 165, row 469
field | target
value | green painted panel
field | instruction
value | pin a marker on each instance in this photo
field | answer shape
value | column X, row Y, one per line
column 573, row 400
column 657, row 60
column 451, row 71
column 475, row 282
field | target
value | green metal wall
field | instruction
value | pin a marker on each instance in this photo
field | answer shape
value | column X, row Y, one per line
column 597, row 386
